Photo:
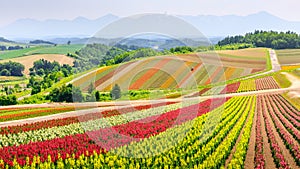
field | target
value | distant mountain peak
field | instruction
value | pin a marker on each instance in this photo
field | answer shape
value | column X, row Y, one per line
column 209, row 25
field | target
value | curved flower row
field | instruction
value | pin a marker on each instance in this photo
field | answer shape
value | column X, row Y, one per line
column 113, row 160
column 70, row 120
column 79, row 128
column 276, row 151
column 220, row 154
column 283, row 120
column 34, row 113
column 239, row 156
column 187, row 146
column 287, row 110
column 150, row 126
column 294, row 149
column 259, row 159
column 289, row 105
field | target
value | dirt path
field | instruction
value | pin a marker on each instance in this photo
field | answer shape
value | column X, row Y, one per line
column 295, row 84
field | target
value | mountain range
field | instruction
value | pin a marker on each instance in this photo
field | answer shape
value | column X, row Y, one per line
column 209, row 25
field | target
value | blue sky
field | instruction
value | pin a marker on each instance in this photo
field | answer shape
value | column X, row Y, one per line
column 11, row 10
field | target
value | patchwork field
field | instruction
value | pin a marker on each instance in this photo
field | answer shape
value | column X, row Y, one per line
column 288, row 56
column 179, row 71
column 28, row 61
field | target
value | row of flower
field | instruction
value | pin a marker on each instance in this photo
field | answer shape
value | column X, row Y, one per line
column 289, row 142
column 287, row 124
column 266, row 83
column 287, row 110
column 38, row 143
column 70, row 120
column 259, row 160
column 278, row 157
column 180, row 131
column 239, row 156
column 81, row 127
column 192, row 143
column 33, row 113
column 247, row 85
column 220, row 153
column 150, row 126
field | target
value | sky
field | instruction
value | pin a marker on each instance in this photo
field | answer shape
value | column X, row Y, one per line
column 12, row 10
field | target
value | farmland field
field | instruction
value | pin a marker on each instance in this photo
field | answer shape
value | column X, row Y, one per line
column 288, row 56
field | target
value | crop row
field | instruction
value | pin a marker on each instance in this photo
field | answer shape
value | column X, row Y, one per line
column 289, row 142
column 81, row 127
column 41, row 147
column 34, row 113
column 77, row 119
column 65, row 161
column 278, row 157
column 190, row 144
column 266, row 83
column 248, row 85
column 239, row 156
column 259, row 160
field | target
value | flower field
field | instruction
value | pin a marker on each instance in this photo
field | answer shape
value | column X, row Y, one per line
column 213, row 133
column 165, row 72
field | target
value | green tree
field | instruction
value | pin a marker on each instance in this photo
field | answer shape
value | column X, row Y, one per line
column 67, row 93
column 115, row 92
column 97, row 95
column 8, row 100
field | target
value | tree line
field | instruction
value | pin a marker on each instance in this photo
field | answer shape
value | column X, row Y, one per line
column 2, row 47
column 269, row 39
column 11, row 69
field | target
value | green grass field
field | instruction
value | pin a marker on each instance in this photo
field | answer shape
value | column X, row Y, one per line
column 59, row 49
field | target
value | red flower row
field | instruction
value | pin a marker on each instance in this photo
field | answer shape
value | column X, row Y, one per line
column 77, row 144
column 231, row 88
column 70, row 120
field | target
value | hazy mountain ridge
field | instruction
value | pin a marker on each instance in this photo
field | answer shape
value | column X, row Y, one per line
column 209, row 25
